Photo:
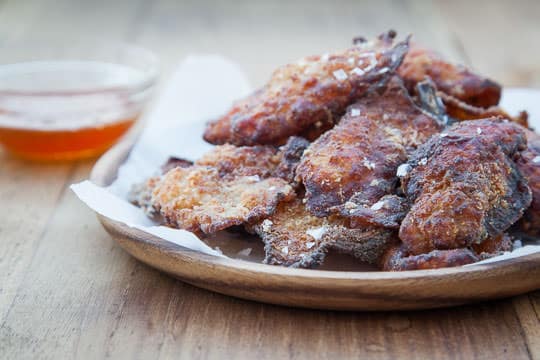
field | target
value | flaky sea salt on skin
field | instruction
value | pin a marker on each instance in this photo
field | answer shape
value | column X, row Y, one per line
column 267, row 225
column 358, row 71
column 340, row 75
column 378, row 205
column 317, row 233
column 369, row 164
column 403, row 170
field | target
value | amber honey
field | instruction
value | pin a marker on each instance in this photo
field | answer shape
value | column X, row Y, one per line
column 57, row 144
column 69, row 109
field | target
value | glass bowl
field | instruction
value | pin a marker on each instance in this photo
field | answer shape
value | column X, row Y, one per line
column 73, row 99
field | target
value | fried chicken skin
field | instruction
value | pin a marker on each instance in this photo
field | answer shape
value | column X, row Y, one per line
column 228, row 186
column 493, row 246
column 529, row 165
column 141, row 194
column 397, row 259
column 350, row 168
column 452, row 79
column 293, row 237
column 290, row 155
column 460, row 110
column 308, row 97
column 464, row 186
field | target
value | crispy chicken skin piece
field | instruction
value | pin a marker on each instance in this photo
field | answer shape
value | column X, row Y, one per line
column 460, row 110
column 307, row 97
column 290, row 155
column 351, row 167
column 529, row 165
column 464, row 186
column 228, row 186
column 292, row 236
column 455, row 80
column 493, row 246
column 295, row 238
column 396, row 258
column 141, row 194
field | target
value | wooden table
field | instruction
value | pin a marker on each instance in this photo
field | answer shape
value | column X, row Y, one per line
column 68, row 291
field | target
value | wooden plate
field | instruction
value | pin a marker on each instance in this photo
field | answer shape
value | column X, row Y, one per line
column 321, row 289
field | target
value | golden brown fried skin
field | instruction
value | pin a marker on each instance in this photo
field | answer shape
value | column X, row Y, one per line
column 493, row 246
column 351, row 167
column 460, row 110
column 306, row 98
column 290, row 155
column 464, row 186
column 293, row 237
column 529, row 165
column 387, row 212
column 228, row 186
column 455, row 80
column 141, row 195
column 397, row 259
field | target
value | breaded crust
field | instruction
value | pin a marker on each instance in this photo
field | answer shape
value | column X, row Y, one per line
column 354, row 165
column 293, row 237
column 460, row 110
column 308, row 97
column 226, row 187
column 464, row 186
column 455, row 80
column 290, row 155
column 141, row 195
column 396, row 260
column 396, row 257
column 529, row 165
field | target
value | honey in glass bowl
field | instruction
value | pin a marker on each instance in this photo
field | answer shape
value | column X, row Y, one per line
column 65, row 109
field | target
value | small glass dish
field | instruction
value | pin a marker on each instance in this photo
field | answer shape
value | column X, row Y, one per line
column 71, row 100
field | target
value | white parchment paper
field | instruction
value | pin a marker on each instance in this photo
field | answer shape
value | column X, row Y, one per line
column 202, row 88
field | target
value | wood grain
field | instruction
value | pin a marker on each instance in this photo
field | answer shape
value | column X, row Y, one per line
column 70, row 292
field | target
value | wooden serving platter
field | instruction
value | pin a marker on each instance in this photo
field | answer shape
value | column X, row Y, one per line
column 320, row 289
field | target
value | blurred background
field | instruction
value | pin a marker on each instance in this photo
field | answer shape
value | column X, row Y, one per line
column 497, row 37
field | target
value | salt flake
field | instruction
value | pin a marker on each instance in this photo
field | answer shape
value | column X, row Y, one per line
column 316, row 233
column 267, row 225
column 378, row 205
column 403, row 170
column 340, row 75
column 358, row 71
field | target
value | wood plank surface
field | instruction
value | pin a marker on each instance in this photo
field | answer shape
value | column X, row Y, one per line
column 68, row 291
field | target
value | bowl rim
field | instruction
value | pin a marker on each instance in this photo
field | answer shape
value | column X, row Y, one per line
column 147, row 81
